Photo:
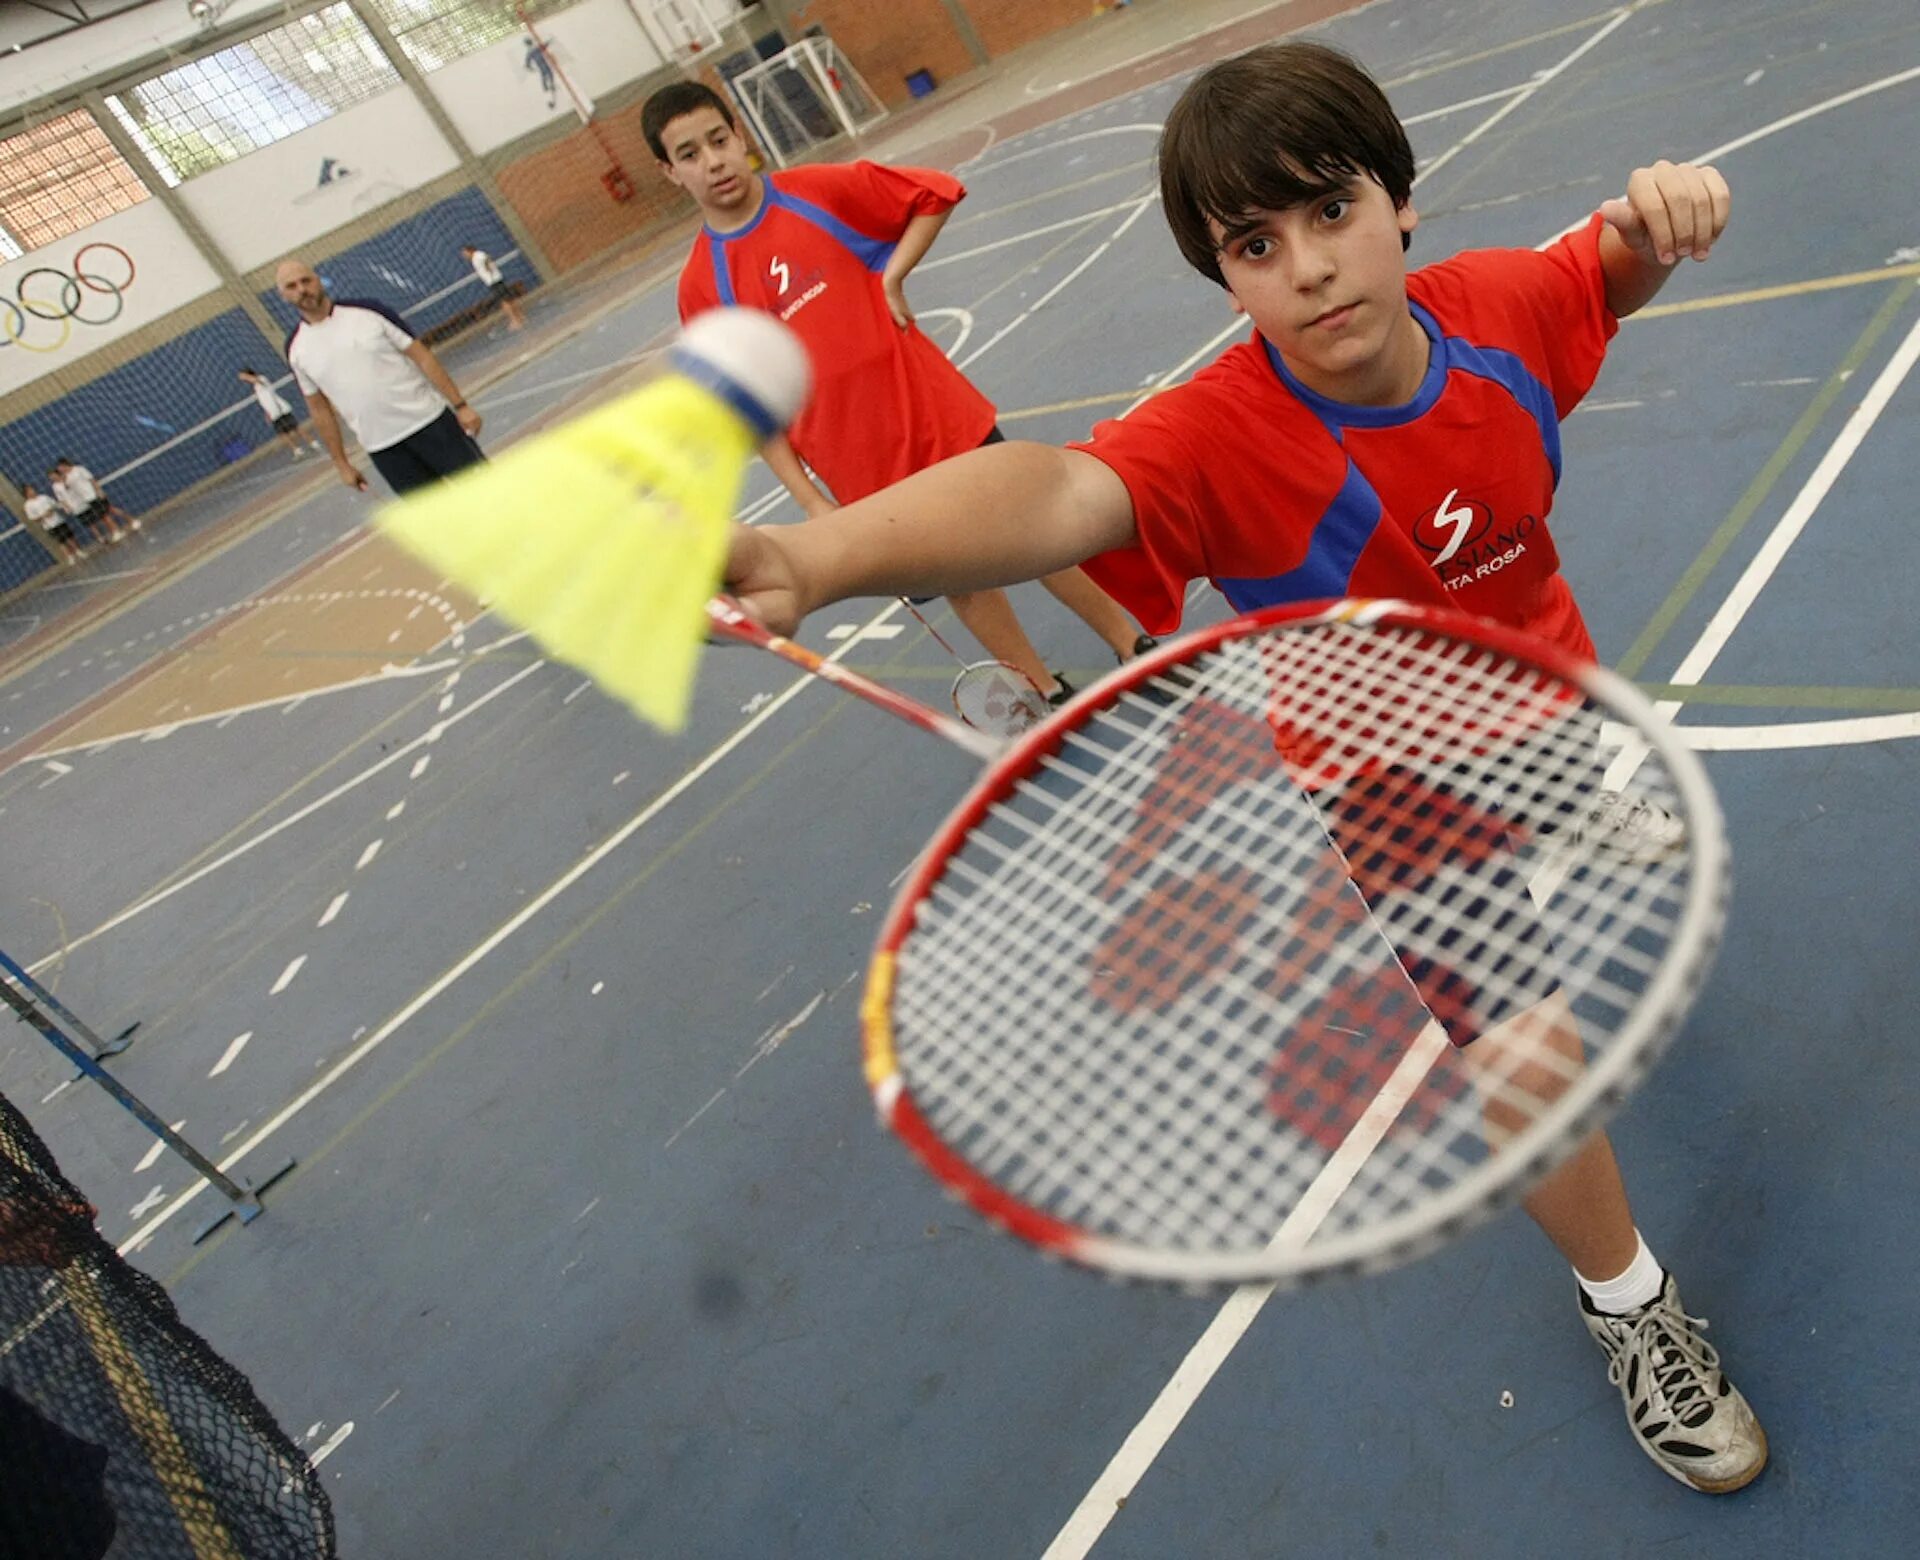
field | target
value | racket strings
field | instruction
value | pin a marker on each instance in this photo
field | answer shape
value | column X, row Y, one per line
column 996, row 698
column 1168, row 975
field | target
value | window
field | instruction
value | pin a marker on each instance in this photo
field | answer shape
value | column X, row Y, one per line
column 237, row 100
column 433, row 32
column 57, row 178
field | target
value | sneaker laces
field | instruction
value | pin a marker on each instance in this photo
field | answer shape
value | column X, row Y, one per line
column 1675, row 1360
column 1623, row 814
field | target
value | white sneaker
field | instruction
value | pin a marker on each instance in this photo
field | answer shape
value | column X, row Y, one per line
column 1629, row 827
column 1685, row 1414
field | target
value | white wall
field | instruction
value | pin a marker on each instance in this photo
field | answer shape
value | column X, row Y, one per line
column 721, row 14
column 492, row 96
column 168, row 271
column 73, row 59
column 272, row 201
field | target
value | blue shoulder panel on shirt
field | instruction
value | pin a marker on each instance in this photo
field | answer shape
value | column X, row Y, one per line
column 722, row 279
column 873, row 253
column 1340, row 535
column 378, row 308
column 1508, row 371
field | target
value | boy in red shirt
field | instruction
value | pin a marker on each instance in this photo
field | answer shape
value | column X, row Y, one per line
column 827, row 249
column 1385, row 433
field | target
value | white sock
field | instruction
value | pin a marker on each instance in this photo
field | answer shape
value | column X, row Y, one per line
column 1630, row 1289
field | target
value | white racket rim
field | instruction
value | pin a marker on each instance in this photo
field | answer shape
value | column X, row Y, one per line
column 1039, row 707
column 1604, row 1084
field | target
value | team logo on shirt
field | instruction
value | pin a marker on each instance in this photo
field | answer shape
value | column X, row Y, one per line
column 1452, row 524
column 1466, row 542
column 793, row 293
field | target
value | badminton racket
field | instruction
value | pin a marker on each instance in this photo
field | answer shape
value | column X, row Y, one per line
column 991, row 696
column 1296, row 947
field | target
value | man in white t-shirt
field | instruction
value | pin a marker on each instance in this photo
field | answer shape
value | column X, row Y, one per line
column 491, row 278
column 279, row 415
column 44, row 511
column 357, row 360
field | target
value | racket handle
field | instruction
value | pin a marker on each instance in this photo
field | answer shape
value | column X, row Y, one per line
column 726, row 618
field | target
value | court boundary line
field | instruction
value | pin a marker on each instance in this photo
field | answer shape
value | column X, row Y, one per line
column 505, row 931
column 140, row 907
column 1155, row 1428
column 449, row 977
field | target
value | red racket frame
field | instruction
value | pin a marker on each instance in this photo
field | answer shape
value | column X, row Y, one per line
column 894, row 1101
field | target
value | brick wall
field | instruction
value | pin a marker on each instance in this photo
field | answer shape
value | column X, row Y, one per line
column 888, row 40
column 558, row 193
column 1004, row 25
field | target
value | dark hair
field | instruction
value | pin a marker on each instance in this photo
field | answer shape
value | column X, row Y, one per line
column 1275, row 127
column 254, row 371
column 669, row 103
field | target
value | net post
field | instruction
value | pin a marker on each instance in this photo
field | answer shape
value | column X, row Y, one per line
column 33, row 1004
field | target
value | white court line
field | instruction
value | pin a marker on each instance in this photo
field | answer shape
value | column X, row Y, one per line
column 1521, row 97
column 93, row 579
column 146, row 1231
column 553, row 891
column 288, row 822
column 228, row 1056
column 493, row 403
column 964, row 316
column 143, row 733
column 1774, row 127
column 286, row 975
column 1203, row 1361
column 1852, row 731
column 1020, row 238
column 1052, row 147
column 1787, row 529
column 1139, row 205
column 1454, row 108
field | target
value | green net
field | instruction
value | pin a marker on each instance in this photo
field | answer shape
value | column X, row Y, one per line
column 121, row 1432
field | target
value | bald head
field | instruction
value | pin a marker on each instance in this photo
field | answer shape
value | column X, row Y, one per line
column 296, row 282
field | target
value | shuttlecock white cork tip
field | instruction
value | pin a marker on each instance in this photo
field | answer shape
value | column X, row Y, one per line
column 753, row 360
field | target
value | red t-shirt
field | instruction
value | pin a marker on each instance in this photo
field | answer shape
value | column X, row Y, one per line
column 1245, row 476
column 886, row 402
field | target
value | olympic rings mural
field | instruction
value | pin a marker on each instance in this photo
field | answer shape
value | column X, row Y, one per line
column 93, row 293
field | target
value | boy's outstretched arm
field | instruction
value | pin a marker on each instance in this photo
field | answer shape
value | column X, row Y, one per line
column 1671, row 212
column 994, row 516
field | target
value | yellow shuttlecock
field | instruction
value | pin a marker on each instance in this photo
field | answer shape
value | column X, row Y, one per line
column 605, row 537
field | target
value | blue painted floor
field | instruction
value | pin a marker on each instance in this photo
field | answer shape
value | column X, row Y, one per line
column 593, row 1240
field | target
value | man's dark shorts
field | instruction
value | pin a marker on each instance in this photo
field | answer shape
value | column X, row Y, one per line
column 423, row 458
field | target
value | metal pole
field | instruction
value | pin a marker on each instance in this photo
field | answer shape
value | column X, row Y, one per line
column 102, row 1049
column 95, row 103
column 25, row 1000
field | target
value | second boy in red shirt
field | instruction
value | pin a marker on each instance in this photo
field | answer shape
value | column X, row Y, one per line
column 827, row 250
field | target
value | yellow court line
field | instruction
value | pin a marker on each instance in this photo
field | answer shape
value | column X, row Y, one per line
column 1440, row 68
column 1112, row 397
column 1814, row 284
